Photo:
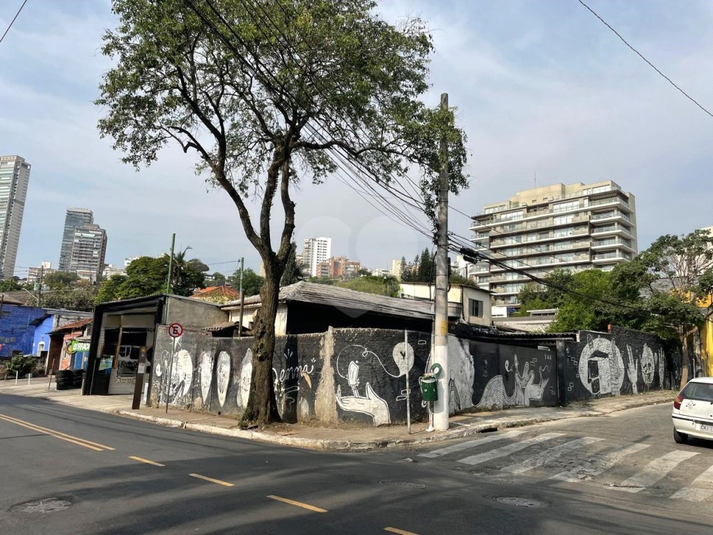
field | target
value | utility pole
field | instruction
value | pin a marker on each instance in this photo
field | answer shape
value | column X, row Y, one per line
column 39, row 288
column 440, row 350
column 170, row 265
column 242, row 297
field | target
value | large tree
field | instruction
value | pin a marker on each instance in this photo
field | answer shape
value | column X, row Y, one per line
column 268, row 93
column 676, row 275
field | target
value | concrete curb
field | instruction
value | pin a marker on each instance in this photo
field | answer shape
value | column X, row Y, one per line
column 494, row 424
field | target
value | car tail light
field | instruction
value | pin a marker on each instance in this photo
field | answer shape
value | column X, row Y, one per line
column 677, row 402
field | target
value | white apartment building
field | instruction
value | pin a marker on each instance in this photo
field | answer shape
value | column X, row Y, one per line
column 574, row 226
column 316, row 250
column 14, row 180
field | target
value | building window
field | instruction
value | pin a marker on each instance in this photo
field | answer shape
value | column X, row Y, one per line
column 475, row 308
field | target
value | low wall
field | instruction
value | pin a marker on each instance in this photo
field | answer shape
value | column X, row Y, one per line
column 610, row 364
column 360, row 375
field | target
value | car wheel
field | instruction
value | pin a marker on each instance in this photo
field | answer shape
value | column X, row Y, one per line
column 680, row 438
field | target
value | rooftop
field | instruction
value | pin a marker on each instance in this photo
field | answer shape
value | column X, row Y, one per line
column 327, row 295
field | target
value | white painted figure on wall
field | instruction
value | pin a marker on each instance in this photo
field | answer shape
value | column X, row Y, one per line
column 206, row 374
column 181, row 376
column 526, row 390
column 246, row 372
column 461, row 374
column 601, row 367
column 369, row 403
column 222, row 380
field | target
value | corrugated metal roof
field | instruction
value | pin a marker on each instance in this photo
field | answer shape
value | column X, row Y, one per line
column 72, row 326
column 327, row 295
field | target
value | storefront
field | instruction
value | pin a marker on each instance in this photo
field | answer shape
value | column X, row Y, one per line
column 122, row 328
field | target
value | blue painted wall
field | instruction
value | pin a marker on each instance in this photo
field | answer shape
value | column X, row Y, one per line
column 42, row 335
column 16, row 333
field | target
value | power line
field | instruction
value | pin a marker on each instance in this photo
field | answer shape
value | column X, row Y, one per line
column 13, row 21
column 689, row 97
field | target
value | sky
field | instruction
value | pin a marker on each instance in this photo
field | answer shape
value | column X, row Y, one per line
column 541, row 88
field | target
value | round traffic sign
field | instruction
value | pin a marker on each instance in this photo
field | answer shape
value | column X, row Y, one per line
column 175, row 330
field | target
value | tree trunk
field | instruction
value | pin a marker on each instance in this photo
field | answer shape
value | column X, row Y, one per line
column 262, row 407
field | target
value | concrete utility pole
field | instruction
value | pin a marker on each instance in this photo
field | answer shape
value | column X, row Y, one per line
column 170, row 265
column 440, row 350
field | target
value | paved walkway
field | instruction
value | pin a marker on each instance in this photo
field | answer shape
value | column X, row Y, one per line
column 339, row 438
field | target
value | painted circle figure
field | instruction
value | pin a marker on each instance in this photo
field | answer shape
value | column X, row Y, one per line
column 223, row 376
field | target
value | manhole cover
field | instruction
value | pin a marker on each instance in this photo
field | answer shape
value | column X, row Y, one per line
column 402, row 484
column 521, row 502
column 46, row 505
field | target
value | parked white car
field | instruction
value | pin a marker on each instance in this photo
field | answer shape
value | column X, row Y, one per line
column 693, row 411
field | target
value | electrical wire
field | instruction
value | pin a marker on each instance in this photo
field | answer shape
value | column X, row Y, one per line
column 402, row 216
column 689, row 97
column 13, row 21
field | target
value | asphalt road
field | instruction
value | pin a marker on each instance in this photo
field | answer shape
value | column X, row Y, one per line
column 65, row 470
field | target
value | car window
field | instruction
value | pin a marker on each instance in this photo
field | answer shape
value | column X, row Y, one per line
column 698, row 391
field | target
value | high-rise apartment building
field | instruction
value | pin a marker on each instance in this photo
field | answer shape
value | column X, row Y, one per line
column 86, row 257
column 573, row 226
column 316, row 250
column 75, row 218
column 14, row 180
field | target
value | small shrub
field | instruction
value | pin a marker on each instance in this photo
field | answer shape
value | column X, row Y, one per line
column 20, row 365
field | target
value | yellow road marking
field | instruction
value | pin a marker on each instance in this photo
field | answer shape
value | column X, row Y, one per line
column 298, row 504
column 56, row 434
column 400, row 531
column 217, row 481
column 142, row 460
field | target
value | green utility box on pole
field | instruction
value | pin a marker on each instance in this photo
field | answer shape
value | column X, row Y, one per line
column 428, row 388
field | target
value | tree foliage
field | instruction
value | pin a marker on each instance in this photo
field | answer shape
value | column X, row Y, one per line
column 665, row 290
column 78, row 295
column 252, row 282
column 9, row 285
column 372, row 284
column 676, row 275
column 147, row 276
column 423, row 268
column 268, row 94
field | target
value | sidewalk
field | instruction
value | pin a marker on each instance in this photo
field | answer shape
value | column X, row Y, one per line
column 342, row 438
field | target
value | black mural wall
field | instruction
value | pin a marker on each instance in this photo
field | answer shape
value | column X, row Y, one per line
column 214, row 374
column 370, row 369
column 611, row 364
column 495, row 376
column 364, row 378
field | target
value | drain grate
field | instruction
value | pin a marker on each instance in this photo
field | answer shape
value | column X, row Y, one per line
column 402, row 484
column 45, row 505
column 522, row 502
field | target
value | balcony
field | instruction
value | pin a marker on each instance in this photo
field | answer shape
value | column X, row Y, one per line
column 613, row 243
column 610, row 202
column 613, row 230
column 608, row 258
column 612, row 215
column 548, row 261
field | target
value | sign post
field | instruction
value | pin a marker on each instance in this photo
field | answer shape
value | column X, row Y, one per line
column 139, row 379
column 175, row 330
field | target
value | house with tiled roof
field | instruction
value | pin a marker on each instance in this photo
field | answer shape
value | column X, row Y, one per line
column 217, row 294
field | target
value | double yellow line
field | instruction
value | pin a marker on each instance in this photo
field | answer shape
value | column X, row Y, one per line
column 56, row 434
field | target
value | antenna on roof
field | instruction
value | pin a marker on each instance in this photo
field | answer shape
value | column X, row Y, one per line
column 535, row 179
